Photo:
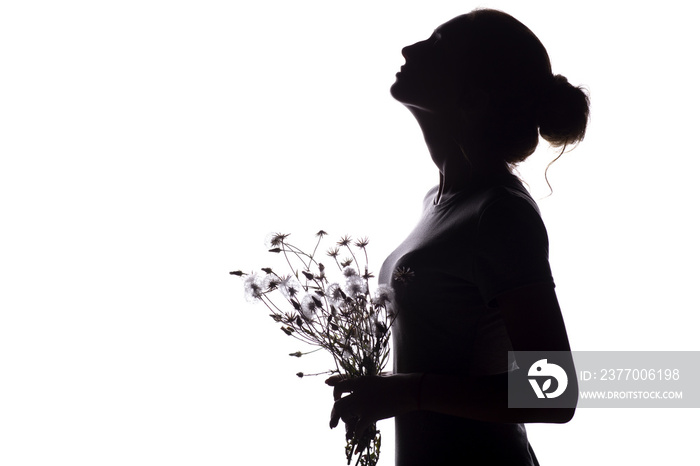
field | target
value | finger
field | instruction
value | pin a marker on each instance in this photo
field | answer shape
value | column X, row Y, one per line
column 344, row 386
column 337, row 393
column 361, row 427
column 350, row 424
column 335, row 417
column 360, row 432
column 334, row 379
column 340, row 410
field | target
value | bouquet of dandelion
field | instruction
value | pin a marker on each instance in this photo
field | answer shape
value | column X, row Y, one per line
column 342, row 317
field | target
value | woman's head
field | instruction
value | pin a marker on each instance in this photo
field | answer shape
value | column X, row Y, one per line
column 490, row 70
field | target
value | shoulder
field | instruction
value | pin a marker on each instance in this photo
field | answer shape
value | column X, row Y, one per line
column 508, row 214
column 511, row 247
column 430, row 197
column 509, row 202
column 510, row 190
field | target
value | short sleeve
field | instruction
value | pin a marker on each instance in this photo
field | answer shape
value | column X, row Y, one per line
column 511, row 248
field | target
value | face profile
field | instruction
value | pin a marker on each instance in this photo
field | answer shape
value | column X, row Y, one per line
column 488, row 78
column 428, row 80
column 435, row 76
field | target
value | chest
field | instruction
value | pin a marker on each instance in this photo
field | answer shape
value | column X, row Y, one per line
column 435, row 260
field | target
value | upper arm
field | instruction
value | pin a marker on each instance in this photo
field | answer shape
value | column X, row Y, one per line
column 533, row 318
column 511, row 268
column 534, row 322
column 511, row 249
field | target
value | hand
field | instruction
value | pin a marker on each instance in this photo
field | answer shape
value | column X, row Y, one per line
column 371, row 398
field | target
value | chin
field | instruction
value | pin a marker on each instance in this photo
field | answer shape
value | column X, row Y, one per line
column 395, row 89
column 406, row 93
column 399, row 91
column 407, row 98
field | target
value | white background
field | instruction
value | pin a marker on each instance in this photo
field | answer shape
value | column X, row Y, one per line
column 149, row 146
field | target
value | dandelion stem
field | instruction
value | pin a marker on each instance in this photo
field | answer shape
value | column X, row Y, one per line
column 298, row 252
column 284, row 251
column 335, row 258
column 359, row 457
column 319, row 373
column 279, row 311
column 353, row 257
column 311, row 258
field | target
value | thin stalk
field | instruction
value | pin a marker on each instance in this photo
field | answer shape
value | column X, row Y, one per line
column 353, row 257
column 284, row 252
column 314, row 251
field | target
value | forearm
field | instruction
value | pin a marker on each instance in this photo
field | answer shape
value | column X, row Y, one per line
column 482, row 398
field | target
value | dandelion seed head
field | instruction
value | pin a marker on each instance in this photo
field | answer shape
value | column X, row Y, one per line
column 349, row 272
column 362, row 242
column 273, row 240
column 253, row 287
column 403, row 274
column 383, row 296
column 335, row 293
column 289, row 286
column 355, row 286
column 345, row 240
column 308, row 307
column 270, row 282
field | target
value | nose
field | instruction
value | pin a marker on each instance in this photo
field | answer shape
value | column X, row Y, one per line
column 408, row 50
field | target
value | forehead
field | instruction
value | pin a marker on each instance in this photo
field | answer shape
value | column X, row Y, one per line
column 456, row 27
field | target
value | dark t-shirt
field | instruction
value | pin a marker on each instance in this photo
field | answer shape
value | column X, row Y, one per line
column 463, row 253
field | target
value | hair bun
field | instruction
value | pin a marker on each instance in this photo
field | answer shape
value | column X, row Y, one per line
column 563, row 112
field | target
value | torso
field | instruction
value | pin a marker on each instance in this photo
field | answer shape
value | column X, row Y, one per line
column 445, row 325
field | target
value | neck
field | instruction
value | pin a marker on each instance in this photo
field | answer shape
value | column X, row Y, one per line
column 460, row 159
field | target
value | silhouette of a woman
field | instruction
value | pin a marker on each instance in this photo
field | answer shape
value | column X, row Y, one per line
column 472, row 280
